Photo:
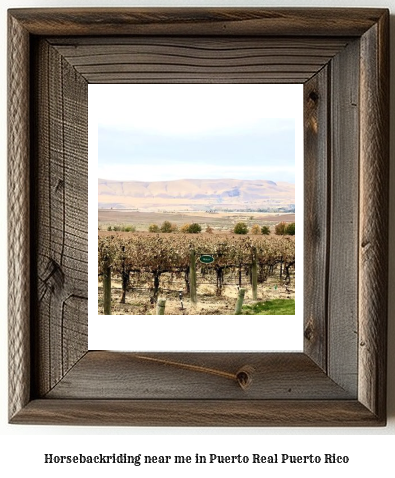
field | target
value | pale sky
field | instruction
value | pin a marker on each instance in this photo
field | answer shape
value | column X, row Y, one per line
column 160, row 132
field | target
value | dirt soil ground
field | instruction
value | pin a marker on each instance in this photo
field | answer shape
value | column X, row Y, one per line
column 220, row 222
column 138, row 302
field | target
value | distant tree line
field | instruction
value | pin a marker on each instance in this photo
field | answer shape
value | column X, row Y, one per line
column 128, row 228
column 280, row 229
column 284, row 229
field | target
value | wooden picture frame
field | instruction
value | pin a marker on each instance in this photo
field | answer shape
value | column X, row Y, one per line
column 342, row 58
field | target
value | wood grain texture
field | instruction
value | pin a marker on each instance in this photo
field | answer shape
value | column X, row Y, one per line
column 316, row 214
column 112, row 375
column 312, row 386
column 373, row 232
column 344, row 216
column 202, row 413
column 194, row 59
column 61, row 197
column 199, row 21
column 18, row 218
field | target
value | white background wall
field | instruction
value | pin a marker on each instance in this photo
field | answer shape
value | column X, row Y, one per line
column 22, row 448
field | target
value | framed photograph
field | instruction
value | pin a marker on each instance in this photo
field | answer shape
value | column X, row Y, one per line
column 339, row 58
column 194, row 198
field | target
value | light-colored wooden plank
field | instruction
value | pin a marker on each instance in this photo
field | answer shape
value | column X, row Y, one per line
column 344, row 212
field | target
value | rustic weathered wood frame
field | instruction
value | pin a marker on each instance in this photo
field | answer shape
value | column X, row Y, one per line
column 341, row 56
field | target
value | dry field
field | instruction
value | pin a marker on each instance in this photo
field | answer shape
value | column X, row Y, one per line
column 138, row 302
column 219, row 221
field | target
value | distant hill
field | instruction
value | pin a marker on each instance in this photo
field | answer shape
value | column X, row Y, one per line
column 196, row 195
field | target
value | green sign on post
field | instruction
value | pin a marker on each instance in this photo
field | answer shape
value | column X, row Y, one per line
column 206, row 259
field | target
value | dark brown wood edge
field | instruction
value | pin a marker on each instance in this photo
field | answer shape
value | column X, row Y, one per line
column 329, row 22
column 372, row 371
column 18, row 217
column 202, row 413
column 374, row 217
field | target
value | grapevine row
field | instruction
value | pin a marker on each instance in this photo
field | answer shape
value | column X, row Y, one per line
column 143, row 258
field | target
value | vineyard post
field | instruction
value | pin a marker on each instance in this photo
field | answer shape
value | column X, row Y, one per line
column 107, row 289
column 192, row 271
column 254, row 273
column 125, row 276
column 239, row 302
column 156, row 285
column 160, row 307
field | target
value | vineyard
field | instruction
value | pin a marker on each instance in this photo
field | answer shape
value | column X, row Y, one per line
column 138, row 268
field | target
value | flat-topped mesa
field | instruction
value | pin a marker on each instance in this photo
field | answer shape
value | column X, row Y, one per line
column 197, row 194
